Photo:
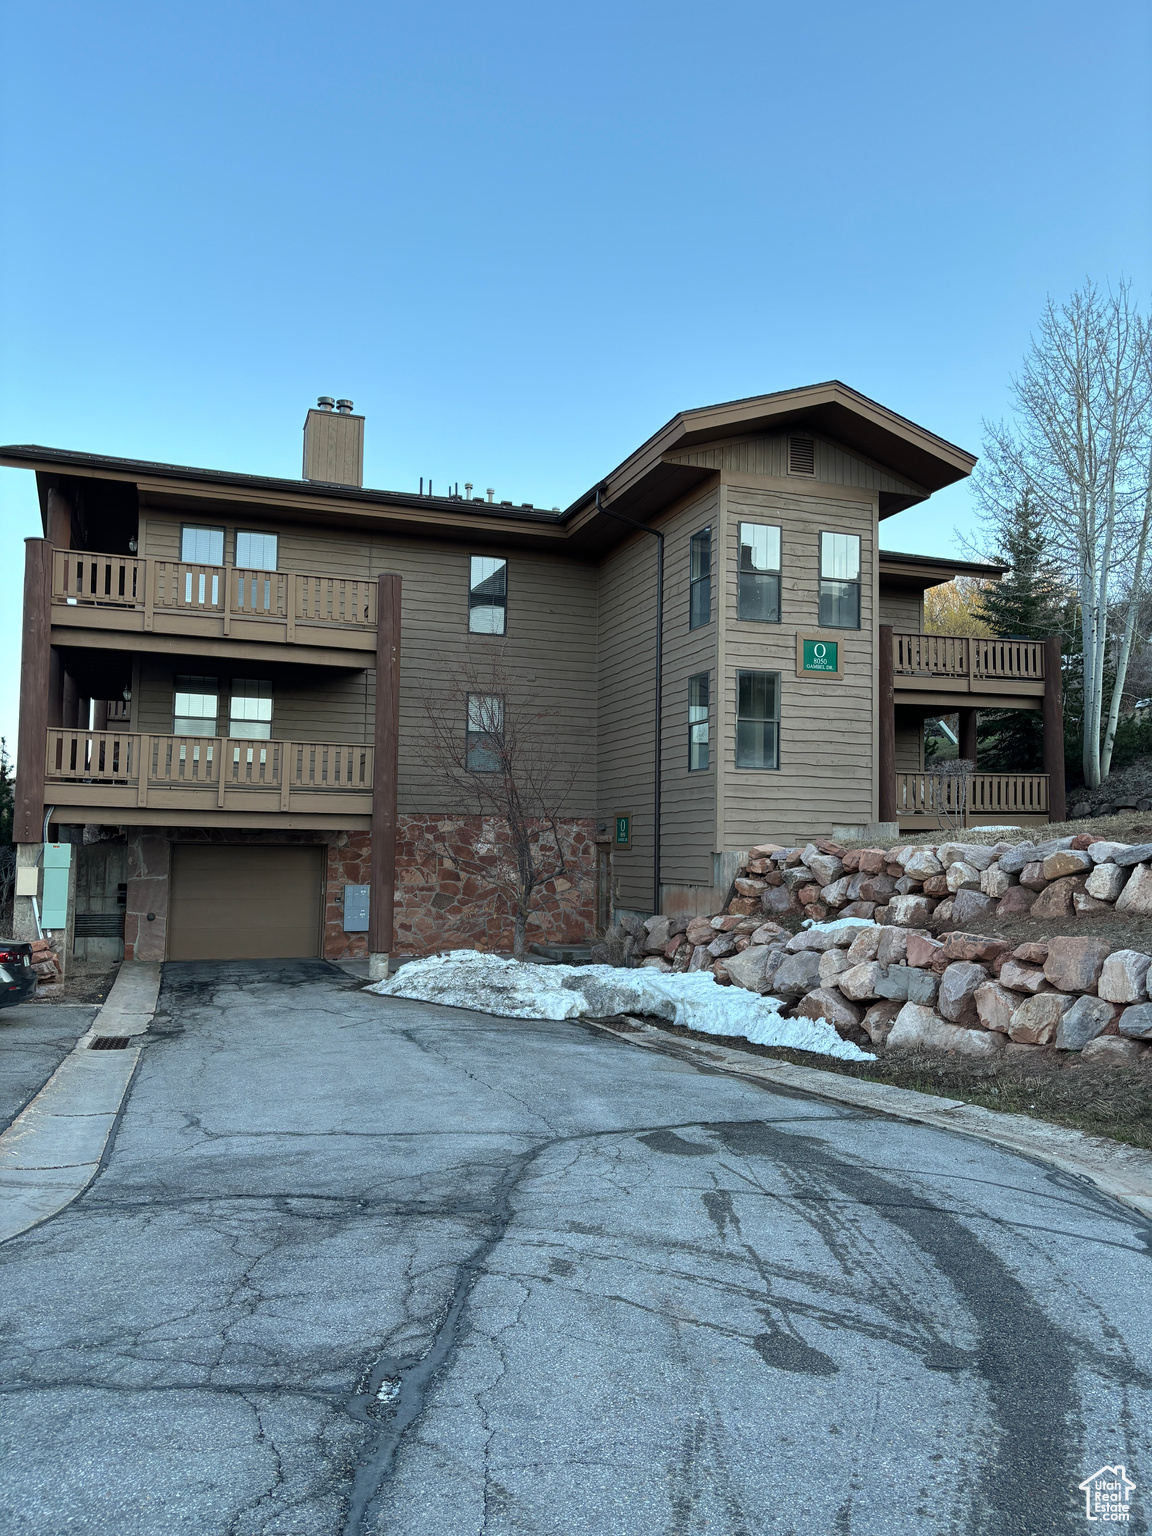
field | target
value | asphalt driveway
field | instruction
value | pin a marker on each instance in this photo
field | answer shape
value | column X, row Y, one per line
column 366, row 1266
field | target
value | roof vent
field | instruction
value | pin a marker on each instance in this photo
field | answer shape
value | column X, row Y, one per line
column 334, row 443
column 801, row 456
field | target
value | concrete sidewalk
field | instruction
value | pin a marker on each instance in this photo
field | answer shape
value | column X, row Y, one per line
column 53, row 1149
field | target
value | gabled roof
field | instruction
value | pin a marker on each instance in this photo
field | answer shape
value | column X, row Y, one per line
column 656, row 473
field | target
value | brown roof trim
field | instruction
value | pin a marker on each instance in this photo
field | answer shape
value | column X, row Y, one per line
column 932, row 570
column 833, row 408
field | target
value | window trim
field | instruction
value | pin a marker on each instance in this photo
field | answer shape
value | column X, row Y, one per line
column 502, row 605
column 205, row 528
column 258, row 533
column 202, row 677
column 778, row 572
column 776, row 719
column 698, row 581
column 840, row 581
column 697, row 677
column 471, row 745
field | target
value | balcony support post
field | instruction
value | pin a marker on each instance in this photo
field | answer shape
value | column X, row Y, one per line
column 886, row 763
column 967, row 735
column 385, row 780
column 1054, row 729
column 35, row 670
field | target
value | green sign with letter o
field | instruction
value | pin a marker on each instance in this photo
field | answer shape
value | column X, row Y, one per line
column 623, row 831
column 821, row 656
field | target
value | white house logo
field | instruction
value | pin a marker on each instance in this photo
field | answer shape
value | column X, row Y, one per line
column 1107, row 1494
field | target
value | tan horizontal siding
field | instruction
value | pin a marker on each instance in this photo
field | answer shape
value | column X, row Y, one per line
column 767, row 454
column 826, row 726
column 902, row 609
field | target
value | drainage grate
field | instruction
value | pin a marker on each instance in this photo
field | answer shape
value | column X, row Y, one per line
column 110, row 1043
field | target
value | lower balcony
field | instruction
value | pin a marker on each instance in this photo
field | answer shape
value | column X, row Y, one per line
column 137, row 777
column 928, row 801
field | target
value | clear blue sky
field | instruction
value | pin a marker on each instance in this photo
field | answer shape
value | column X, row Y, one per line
column 520, row 237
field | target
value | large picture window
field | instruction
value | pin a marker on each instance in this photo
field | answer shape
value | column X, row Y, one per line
column 488, row 595
column 698, row 722
column 485, row 728
column 700, row 579
column 757, row 719
column 758, row 576
column 197, row 699
column 840, row 580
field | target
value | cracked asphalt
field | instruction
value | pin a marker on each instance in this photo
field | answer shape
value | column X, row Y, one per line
column 357, row 1266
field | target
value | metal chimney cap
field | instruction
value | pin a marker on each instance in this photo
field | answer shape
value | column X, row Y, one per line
column 325, row 403
column 343, row 406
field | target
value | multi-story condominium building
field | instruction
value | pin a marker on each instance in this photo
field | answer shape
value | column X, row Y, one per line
column 227, row 679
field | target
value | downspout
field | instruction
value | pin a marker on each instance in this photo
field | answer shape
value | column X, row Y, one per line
column 659, row 697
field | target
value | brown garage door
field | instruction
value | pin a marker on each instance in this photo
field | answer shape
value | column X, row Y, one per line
column 244, row 903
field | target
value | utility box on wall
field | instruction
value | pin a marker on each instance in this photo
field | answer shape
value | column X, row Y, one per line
column 356, row 908
column 57, row 872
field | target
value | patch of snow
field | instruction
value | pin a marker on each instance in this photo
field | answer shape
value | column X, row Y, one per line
column 832, row 924
column 513, row 989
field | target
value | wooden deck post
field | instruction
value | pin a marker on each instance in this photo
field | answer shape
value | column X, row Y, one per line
column 1054, row 729
column 385, row 777
column 32, row 747
column 967, row 735
column 886, row 765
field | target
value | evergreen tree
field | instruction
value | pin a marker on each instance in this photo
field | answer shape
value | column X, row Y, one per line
column 1030, row 603
column 7, row 795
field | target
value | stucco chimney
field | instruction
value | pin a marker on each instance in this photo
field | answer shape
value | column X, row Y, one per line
column 334, row 443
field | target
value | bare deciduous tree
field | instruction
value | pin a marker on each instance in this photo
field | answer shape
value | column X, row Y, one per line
column 1078, row 449
column 490, row 747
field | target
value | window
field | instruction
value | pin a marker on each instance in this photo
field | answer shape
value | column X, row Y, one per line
column 485, row 726
column 700, row 579
column 202, row 546
column 488, row 595
column 251, row 711
column 801, row 456
column 758, row 576
column 840, row 580
column 698, row 722
column 256, row 551
column 196, row 701
column 757, row 719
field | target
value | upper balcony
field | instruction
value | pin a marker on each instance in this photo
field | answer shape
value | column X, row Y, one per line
column 107, row 599
column 994, row 673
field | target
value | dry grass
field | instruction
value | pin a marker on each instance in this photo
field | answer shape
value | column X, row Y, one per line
column 1062, row 1088
column 1125, row 827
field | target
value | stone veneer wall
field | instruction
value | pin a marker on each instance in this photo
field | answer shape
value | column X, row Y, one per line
column 440, row 886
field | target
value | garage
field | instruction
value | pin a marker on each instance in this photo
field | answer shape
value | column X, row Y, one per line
column 245, row 902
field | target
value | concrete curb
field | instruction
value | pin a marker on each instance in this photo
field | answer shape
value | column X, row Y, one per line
column 52, row 1150
column 1124, row 1173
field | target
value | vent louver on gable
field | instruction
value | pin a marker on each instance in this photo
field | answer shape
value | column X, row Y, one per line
column 801, row 456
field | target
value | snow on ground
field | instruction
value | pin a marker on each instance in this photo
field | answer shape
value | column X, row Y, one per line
column 512, row 989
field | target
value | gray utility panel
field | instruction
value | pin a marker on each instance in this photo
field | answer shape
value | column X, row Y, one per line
column 356, row 908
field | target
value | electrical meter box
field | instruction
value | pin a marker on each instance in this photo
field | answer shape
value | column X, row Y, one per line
column 356, row 908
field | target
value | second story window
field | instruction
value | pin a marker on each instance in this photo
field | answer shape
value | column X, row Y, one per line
column 202, row 546
column 700, row 579
column 256, row 551
column 487, row 595
column 197, row 699
column 485, row 733
column 698, row 722
column 840, row 580
column 251, row 711
column 758, row 577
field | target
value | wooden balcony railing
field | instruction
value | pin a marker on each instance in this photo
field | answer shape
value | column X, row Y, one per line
column 167, row 587
column 147, row 765
column 960, row 656
column 947, row 800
